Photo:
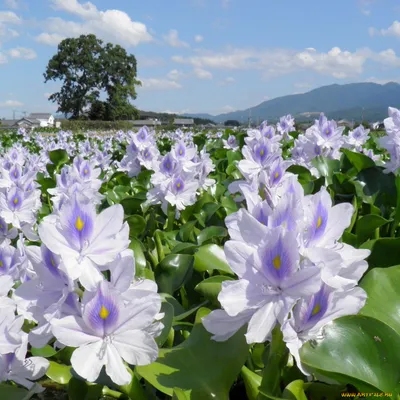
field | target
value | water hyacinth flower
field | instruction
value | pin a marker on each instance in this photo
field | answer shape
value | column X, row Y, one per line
column 271, row 280
column 311, row 314
column 286, row 125
column 356, row 138
column 231, row 143
column 15, row 367
column 109, row 332
column 84, row 240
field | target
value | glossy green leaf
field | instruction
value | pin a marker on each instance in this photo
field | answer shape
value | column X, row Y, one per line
column 295, row 391
column 173, row 271
column 210, row 288
column 179, row 394
column 77, row 389
column 366, row 226
column 140, row 259
column 210, row 257
column 9, row 392
column 168, row 310
column 46, row 351
column 137, row 225
column 358, row 160
column 356, row 350
column 59, row 373
column 252, row 382
column 385, row 252
column 210, row 233
column 131, row 205
column 58, row 157
column 203, row 368
column 326, row 167
column 383, row 302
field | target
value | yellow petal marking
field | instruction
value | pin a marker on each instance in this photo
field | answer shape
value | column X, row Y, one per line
column 79, row 224
column 276, row 262
column 104, row 313
column 316, row 309
column 319, row 222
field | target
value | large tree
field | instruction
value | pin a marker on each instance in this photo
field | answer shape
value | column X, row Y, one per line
column 87, row 68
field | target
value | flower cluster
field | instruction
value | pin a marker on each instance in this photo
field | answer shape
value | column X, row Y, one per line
column 285, row 249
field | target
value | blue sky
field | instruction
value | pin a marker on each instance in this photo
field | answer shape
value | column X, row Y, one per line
column 209, row 56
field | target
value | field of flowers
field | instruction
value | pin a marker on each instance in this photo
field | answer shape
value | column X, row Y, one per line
column 258, row 264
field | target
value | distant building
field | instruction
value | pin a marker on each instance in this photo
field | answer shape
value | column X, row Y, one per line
column 34, row 120
column 183, row 122
column 44, row 119
column 145, row 122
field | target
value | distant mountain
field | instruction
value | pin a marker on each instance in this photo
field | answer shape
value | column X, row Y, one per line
column 351, row 101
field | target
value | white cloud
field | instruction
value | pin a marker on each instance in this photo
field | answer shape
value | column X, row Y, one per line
column 393, row 30
column 51, row 39
column 11, row 103
column 143, row 61
column 9, row 17
column 202, row 73
column 227, row 109
column 174, row 75
column 381, row 81
column 3, row 58
column 186, row 111
column 198, row 38
column 22, row 52
column 110, row 25
column 337, row 63
column 159, row 84
column 303, row 85
column 11, row 4
column 172, row 39
column 228, row 80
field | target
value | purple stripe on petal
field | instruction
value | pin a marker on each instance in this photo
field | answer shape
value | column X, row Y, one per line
column 78, row 224
column 311, row 310
column 101, row 312
column 50, row 260
column 279, row 258
column 320, row 221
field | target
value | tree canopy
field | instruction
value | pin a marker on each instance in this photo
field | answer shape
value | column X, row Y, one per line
column 87, row 68
column 231, row 122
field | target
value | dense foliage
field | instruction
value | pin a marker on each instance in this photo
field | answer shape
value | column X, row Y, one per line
column 87, row 68
column 259, row 264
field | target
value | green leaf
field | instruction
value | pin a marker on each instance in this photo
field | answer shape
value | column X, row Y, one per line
column 77, row 389
column 179, row 394
column 168, row 310
column 210, row 257
column 252, row 382
column 358, row 160
column 358, row 350
column 385, row 252
column 277, row 359
column 173, row 271
column 295, row 391
column 59, row 373
column 211, row 232
column 131, row 205
column 9, row 392
column 140, row 259
column 366, row 226
column 383, row 301
column 326, row 167
column 46, row 351
column 134, row 389
column 186, row 230
column 58, row 157
column 137, row 225
column 210, row 288
column 201, row 367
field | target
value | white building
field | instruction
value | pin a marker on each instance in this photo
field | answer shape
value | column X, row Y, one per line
column 44, row 119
